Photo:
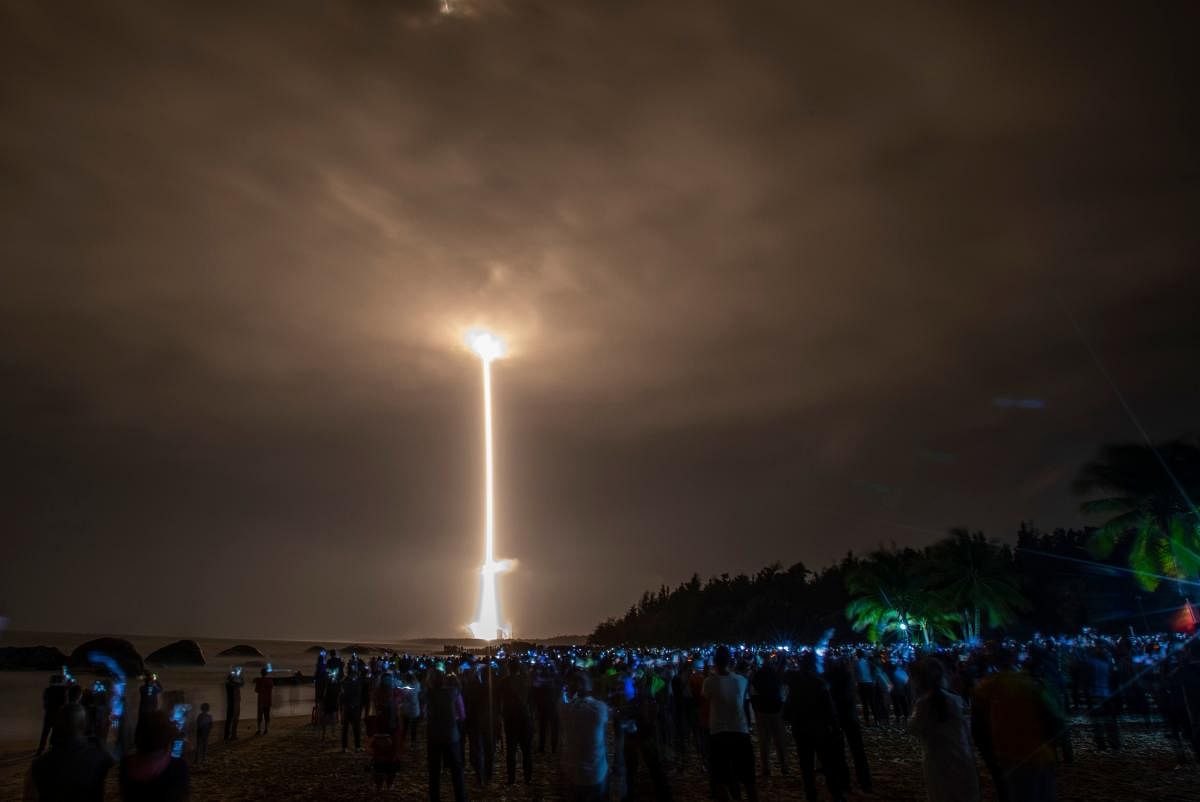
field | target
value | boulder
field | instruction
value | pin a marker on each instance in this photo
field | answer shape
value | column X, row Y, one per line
column 116, row 649
column 242, row 650
column 31, row 658
column 179, row 653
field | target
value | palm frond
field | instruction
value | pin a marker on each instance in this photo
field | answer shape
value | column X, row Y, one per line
column 1143, row 562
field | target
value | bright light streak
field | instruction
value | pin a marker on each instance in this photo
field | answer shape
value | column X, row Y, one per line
column 488, row 347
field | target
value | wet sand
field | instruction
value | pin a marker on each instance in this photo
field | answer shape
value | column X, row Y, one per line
column 292, row 763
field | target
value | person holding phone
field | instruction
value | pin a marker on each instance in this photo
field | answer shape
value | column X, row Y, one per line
column 233, row 702
column 151, row 772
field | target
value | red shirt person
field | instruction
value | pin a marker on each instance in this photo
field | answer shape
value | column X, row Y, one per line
column 264, row 687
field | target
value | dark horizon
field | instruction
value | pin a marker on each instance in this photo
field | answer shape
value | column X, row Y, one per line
column 466, row 638
column 779, row 283
column 254, row 640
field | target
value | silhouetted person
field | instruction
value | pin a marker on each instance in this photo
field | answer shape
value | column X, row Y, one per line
column 444, row 750
column 54, row 697
column 320, row 678
column 699, row 713
column 901, row 692
column 842, row 686
column 409, row 704
column 731, row 757
column 233, row 702
column 816, row 729
column 864, row 675
column 767, row 698
column 333, row 663
column 264, row 689
column 204, row 723
column 518, row 721
column 1015, row 723
column 480, row 733
column 637, row 741
column 1102, row 701
column 584, row 755
column 352, row 701
column 1189, row 684
column 74, row 769
column 382, row 748
column 685, row 715
column 882, row 693
column 1044, row 666
column 547, row 688
column 940, row 724
column 331, row 702
column 96, row 704
column 151, row 774
column 1173, row 703
column 148, row 694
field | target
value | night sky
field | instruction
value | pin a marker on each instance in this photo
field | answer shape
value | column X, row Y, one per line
column 778, row 281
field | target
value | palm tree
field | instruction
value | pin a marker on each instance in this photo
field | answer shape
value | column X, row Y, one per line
column 976, row 576
column 890, row 597
column 1147, row 494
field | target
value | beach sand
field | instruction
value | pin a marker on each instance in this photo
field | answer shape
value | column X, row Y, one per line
column 291, row 763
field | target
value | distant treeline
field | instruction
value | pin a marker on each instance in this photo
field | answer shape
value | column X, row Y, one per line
column 1059, row 584
column 1135, row 571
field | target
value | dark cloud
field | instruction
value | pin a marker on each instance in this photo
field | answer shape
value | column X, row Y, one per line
column 768, row 272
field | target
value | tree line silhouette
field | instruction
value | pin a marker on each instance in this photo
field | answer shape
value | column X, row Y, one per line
column 1136, row 570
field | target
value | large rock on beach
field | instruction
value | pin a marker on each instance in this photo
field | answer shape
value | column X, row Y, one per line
column 31, row 658
column 179, row 653
column 116, row 649
column 242, row 650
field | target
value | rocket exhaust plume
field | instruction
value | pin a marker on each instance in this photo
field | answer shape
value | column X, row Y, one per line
column 488, row 347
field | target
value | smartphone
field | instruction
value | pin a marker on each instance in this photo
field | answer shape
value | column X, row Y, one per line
column 179, row 717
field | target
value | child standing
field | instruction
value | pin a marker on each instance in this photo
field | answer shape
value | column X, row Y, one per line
column 383, row 760
column 203, row 728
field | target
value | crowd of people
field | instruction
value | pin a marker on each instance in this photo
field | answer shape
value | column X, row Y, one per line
column 614, row 716
column 88, row 733
column 615, row 720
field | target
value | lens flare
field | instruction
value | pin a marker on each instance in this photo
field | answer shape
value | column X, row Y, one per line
column 488, row 347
